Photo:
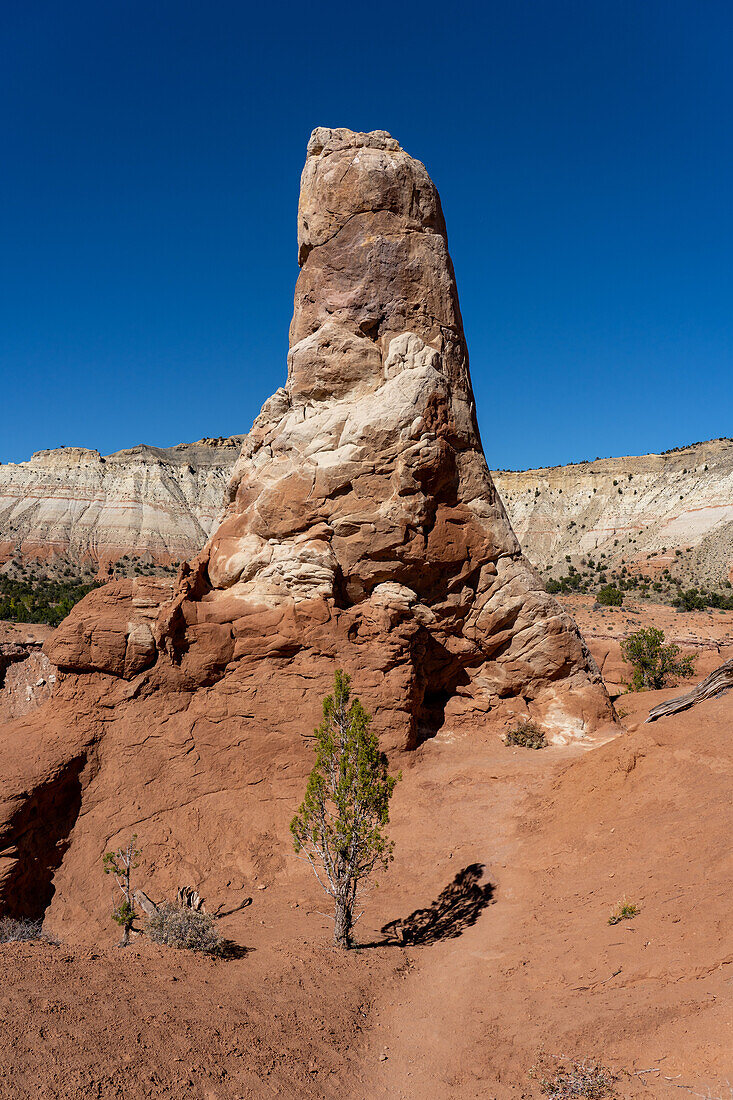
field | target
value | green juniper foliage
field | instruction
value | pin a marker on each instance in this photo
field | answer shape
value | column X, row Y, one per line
column 610, row 596
column 339, row 826
column 654, row 663
column 38, row 600
column 121, row 863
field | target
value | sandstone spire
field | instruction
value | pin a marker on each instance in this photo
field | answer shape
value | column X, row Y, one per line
column 364, row 526
column 363, row 531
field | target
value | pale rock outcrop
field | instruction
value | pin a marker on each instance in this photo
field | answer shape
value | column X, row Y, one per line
column 638, row 508
column 72, row 506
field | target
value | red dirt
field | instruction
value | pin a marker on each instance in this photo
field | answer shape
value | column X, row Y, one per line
column 563, row 833
column 707, row 635
column 518, row 959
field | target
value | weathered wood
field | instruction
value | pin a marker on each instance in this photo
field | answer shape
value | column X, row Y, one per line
column 714, row 684
column 149, row 907
column 188, row 898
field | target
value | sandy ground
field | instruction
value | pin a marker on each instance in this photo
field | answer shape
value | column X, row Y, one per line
column 707, row 633
column 20, row 632
column 507, row 865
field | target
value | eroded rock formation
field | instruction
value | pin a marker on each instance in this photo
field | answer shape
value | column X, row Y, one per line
column 72, row 507
column 27, row 677
column 637, row 509
column 363, row 519
column 363, row 531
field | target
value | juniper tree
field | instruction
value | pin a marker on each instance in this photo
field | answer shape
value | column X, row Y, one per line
column 339, row 828
column 654, row 663
column 121, row 863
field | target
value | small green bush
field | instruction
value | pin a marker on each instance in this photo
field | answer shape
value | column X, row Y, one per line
column 184, row 928
column 527, row 735
column 694, row 600
column 654, row 664
column 610, row 596
column 624, row 910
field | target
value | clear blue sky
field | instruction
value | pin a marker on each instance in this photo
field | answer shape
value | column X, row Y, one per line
column 150, row 160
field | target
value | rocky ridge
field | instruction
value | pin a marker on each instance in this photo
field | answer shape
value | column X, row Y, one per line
column 73, row 506
column 362, row 530
column 630, row 507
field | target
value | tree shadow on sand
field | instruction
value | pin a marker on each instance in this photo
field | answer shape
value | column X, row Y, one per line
column 455, row 909
column 228, row 949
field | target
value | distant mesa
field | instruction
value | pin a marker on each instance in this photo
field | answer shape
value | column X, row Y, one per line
column 73, row 508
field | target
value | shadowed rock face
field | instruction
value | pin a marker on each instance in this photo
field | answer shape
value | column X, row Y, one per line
column 363, row 532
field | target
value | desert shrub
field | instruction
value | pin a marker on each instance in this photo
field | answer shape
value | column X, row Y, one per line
column 694, row 600
column 22, row 931
column 339, row 826
column 527, row 735
column 610, row 596
column 690, row 600
column 184, row 928
column 654, row 664
column 121, row 863
column 570, row 583
column 568, row 1079
column 623, row 910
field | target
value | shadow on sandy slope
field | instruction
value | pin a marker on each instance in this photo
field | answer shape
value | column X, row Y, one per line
column 456, row 908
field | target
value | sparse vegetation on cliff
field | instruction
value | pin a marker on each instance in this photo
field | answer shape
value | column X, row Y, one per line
column 599, row 578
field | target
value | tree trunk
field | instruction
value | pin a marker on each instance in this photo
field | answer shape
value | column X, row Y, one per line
column 342, row 922
column 719, row 680
column 125, row 936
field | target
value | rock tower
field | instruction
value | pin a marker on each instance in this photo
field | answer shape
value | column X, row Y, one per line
column 364, row 527
column 363, row 531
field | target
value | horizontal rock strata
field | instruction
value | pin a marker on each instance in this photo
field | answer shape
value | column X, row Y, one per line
column 630, row 508
column 74, row 506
